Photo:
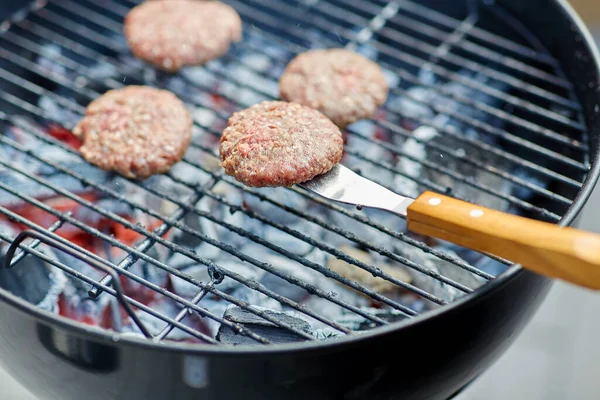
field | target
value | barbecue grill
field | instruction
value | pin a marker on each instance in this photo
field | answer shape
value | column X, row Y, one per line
column 190, row 285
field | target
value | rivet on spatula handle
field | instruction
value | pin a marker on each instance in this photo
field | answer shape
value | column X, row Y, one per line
column 547, row 249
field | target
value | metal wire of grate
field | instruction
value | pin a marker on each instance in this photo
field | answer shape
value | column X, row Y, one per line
column 538, row 122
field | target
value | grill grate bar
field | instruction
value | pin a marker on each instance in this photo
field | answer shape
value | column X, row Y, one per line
column 161, row 230
column 148, row 243
column 109, row 5
column 347, row 234
column 181, row 315
column 246, row 234
column 326, row 25
column 97, row 33
column 189, row 254
column 453, row 154
column 307, row 239
column 336, row 208
column 493, row 39
column 555, row 217
column 186, row 229
column 488, row 129
column 513, row 200
column 109, row 290
column 43, row 32
column 222, row 246
column 425, row 48
column 394, row 128
column 396, row 150
column 203, row 312
column 315, row 21
column 72, row 7
column 36, row 242
column 95, row 292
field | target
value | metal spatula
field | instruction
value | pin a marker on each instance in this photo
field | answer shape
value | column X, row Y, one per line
column 547, row 249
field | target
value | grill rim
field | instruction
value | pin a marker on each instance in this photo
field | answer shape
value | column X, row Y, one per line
column 513, row 272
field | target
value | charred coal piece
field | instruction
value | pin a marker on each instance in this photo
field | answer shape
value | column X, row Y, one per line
column 262, row 327
column 33, row 280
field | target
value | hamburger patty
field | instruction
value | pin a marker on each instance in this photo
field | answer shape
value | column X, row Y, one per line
column 276, row 143
column 137, row 131
column 177, row 33
column 343, row 85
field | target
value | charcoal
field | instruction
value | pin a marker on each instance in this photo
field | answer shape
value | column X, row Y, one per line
column 262, row 327
column 326, row 333
column 284, row 288
column 433, row 101
column 288, row 242
column 498, row 184
column 290, row 268
column 273, row 212
column 437, row 288
column 156, row 325
column 491, row 266
column 415, row 103
column 34, row 280
column 380, row 156
column 525, row 193
column 31, row 188
column 224, row 213
column 200, row 272
column 327, row 308
column 78, row 286
column 52, row 107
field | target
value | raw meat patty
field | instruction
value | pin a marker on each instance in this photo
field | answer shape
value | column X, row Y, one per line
column 343, row 85
column 178, row 33
column 275, row 143
column 137, row 131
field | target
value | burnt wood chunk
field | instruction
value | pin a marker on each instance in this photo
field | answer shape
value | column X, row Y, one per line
column 262, row 327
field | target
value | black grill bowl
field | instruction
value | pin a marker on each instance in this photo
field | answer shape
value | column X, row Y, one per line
column 431, row 356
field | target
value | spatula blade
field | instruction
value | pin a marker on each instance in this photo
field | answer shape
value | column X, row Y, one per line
column 343, row 185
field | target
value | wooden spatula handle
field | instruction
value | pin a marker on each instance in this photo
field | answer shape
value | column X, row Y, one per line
column 547, row 249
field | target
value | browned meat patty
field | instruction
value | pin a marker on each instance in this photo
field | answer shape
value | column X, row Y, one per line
column 137, row 131
column 343, row 85
column 276, row 143
column 178, row 33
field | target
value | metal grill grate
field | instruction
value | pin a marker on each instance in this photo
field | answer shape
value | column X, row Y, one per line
column 534, row 126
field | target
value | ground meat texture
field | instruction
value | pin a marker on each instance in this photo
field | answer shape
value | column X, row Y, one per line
column 177, row 33
column 137, row 131
column 276, row 143
column 343, row 85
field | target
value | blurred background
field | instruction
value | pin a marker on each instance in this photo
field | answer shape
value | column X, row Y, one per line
column 558, row 355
